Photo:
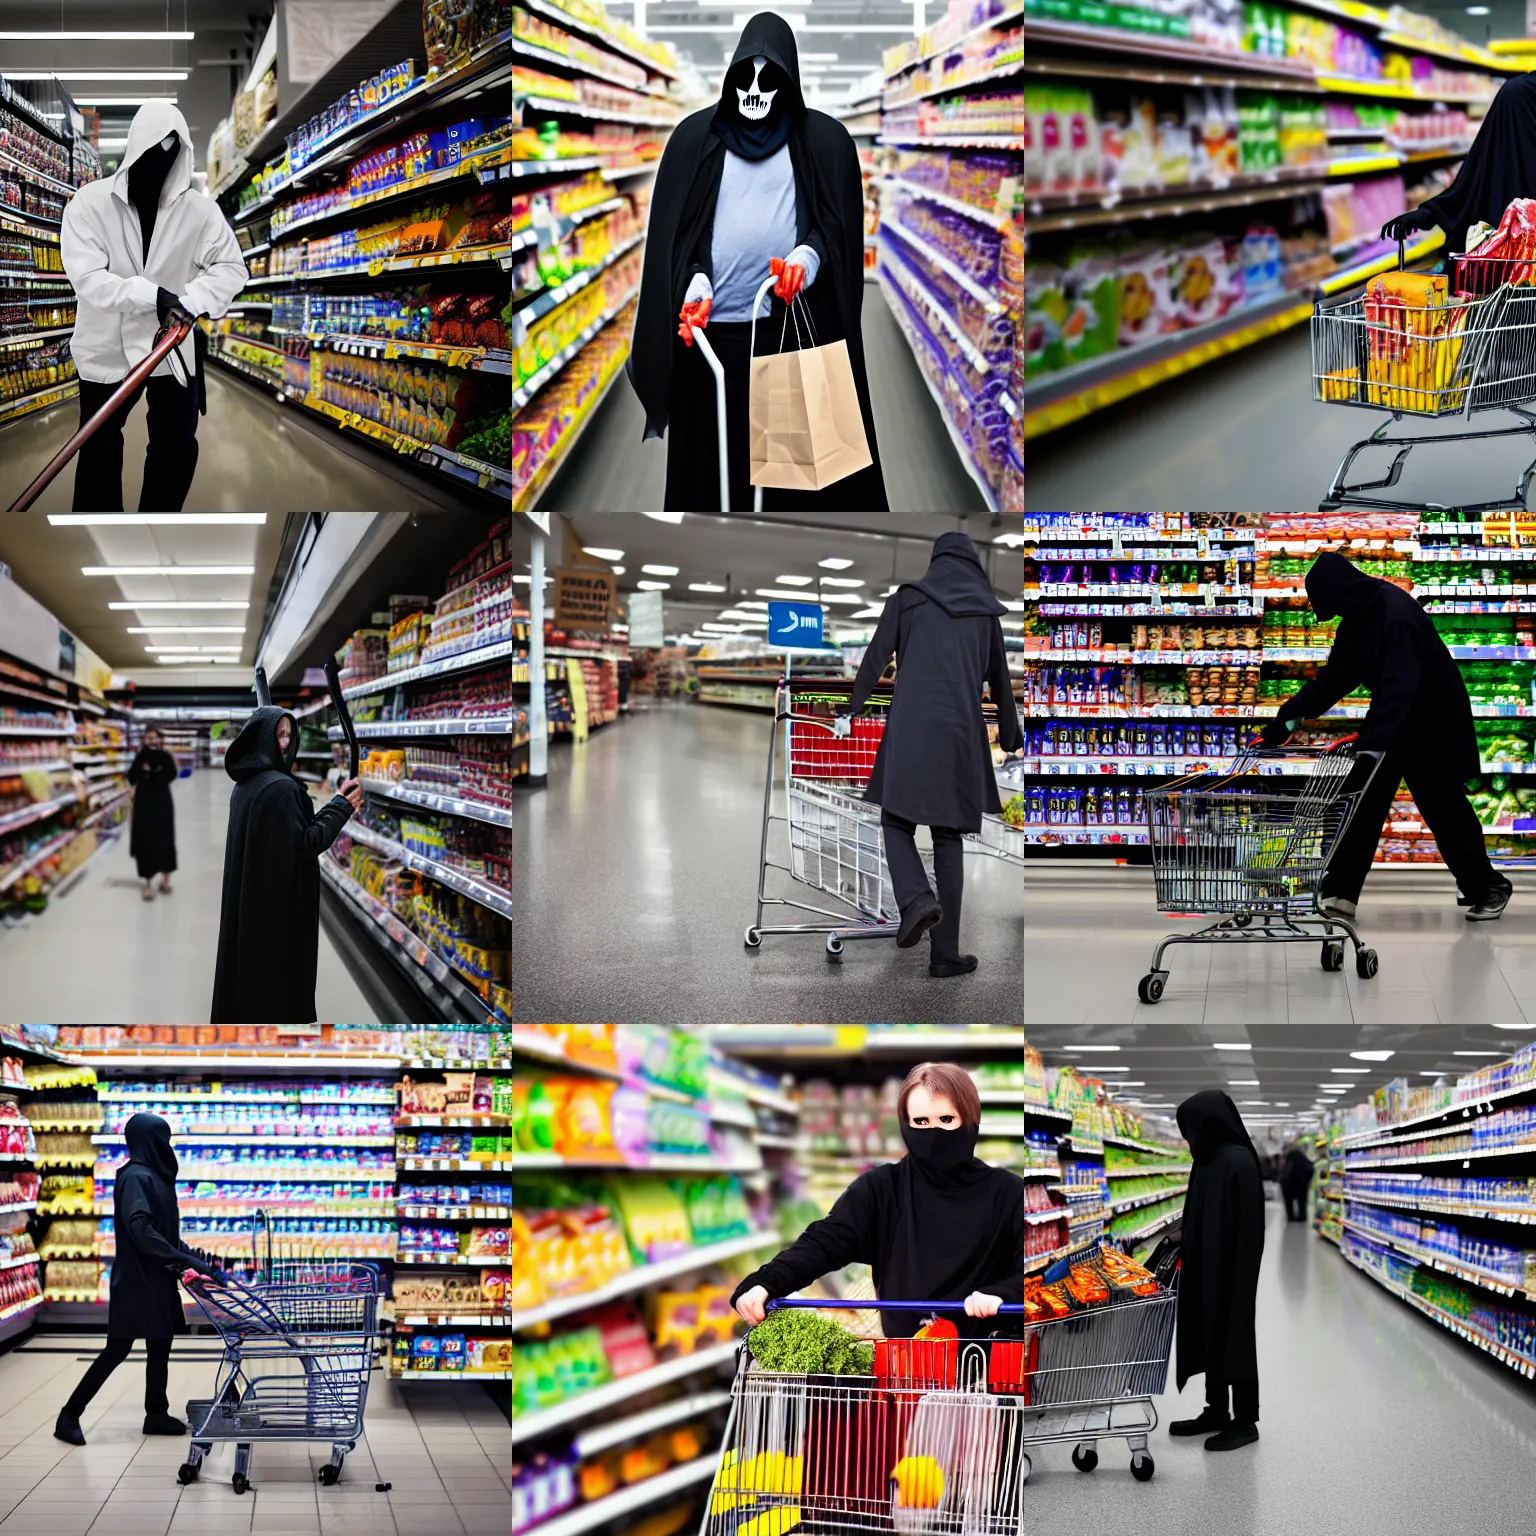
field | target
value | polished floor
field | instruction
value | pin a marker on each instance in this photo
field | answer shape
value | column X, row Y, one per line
column 1089, row 936
column 253, row 454
column 635, row 877
column 1243, row 433
column 1372, row 1418
column 444, row 1447
column 613, row 469
column 99, row 954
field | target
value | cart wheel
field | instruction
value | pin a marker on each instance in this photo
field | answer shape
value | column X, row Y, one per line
column 834, row 947
column 1150, row 988
column 1085, row 1458
column 187, row 1473
column 1333, row 955
column 1366, row 963
column 1026, row 1469
column 753, row 939
column 240, row 1482
column 329, row 1474
column 1241, row 919
column 1142, row 1467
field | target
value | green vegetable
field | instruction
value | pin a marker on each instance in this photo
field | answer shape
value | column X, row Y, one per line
column 790, row 1339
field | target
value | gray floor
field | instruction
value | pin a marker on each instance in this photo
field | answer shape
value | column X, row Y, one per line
column 1244, row 434
column 1090, row 933
column 252, row 454
column 1372, row 1419
column 443, row 1446
column 613, row 470
column 99, row 954
column 635, row 876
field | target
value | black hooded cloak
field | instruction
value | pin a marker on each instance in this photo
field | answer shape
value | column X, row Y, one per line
column 934, row 765
column 672, row 380
column 1387, row 643
column 1223, row 1243
column 1499, row 167
column 935, row 1226
column 269, row 922
column 146, row 1223
column 152, row 842
column 1296, row 1175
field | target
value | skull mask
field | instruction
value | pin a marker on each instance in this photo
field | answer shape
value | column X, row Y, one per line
column 755, row 104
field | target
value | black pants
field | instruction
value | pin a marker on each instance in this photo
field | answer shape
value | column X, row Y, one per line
column 909, row 880
column 169, row 462
column 1296, row 1207
column 1443, row 804
column 1244, row 1406
column 156, row 1373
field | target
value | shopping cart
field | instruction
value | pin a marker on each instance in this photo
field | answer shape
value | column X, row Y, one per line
column 717, row 368
column 835, row 844
column 931, row 1442
column 298, row 1353
column 1252, row 844
column 1473, row 351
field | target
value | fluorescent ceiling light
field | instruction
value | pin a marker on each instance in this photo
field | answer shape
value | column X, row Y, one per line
column 1350, row 1071
column 720, row 629
column 704, row 586
column 119, row 101
column 664, row 517
column 1013, row 607
column 1372, row 1055
column 1242, row 1082
column 842, row 581
column 1472, row 10
column 618, row 570
column 783, row 593
column 795, row 581
column 96, row 74
column 1334, row 1087
column 143, row 519
column 104, row 37
column 198, row 661
column 182, row 649
column 659, row 570
column 839, row 597
column 1011, row 623
column 750, row 604
column 1477, row 1053
column 1255, row 1104
column 112, row 143
column 602, row 554
column 872, row 612
column 187, row 629
column 654, row 586
column 177, row 603
column 167, row 570
column 1009, row 540
column 1231, row 1045
column 1108, row 1068
column 834, row 563
column 1075, row 1050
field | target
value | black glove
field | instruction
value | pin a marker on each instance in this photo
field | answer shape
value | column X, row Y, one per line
column 1275, row 734
column 171, row 310
column 1405, row 224
column 1360, row 771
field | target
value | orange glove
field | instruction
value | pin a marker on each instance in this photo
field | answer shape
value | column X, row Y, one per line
column 791, row 278
column 695, row 314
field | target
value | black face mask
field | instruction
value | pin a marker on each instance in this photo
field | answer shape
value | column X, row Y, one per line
column 939, row 1155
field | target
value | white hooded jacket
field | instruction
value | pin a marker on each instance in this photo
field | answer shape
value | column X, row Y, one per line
column 193, row 253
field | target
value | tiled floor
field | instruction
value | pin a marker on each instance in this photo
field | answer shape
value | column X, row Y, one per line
column 1089, row 936
column 444, row 1448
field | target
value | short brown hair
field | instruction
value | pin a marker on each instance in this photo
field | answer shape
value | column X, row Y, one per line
column 944, row 1077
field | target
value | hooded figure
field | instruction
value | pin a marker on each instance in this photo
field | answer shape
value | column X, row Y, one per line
column 934, row 764
column 1223, row 1241
column 149, row 1258
column 144, row 249
column 756, row 178
column 1295, row 1177
column 269, row 920
column 1499, row 167
column 937, row 1225
column 1420, row 720
column 152, row 843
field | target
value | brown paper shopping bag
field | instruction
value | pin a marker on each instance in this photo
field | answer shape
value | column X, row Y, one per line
column 807, row 432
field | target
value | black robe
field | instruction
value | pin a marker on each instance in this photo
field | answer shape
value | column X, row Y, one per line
column 152, row 842
column 924, row 1240
column 673, row 382
column 146, row 1224
column 269, row 922
column 1500, row 166
column 1388, row 644
column 934, row 765
column 1296, row 1175
column 1223, row 1237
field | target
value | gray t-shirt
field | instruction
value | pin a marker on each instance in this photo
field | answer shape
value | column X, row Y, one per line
column 754, row 220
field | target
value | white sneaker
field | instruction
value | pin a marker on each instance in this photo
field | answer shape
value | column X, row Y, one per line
column 1337, row 906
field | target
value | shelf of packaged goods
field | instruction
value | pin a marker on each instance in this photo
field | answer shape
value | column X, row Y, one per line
column 544, row 302
column 1472, row 1154
column 949, row 87
column 438, row 1259
column 55, row 765
column 451, row 1376
column 993, row 219
column 453, row 1320
column 453, row 1212
column 451, row 805
column 469, row 255
column 255, row 1173
column 594, row 33
column 549, row 167
column 1149, row 658
column 461, row 661
column 27, row 338
column 462, row 1121
column 10, row 875
column 108, row 1095
column 31, row 813
column 1142, row 1172
column 954, row 44
column 953, row 141
column 487, row 476
column 1524, row 1216
column 262, row 376
column 1074, row 210
column 456, row 879
column 527, row 390
column 988, row 300
column 1136, row 1201
column 39, row 400
column 596, row 114
column 587, row 71
column 526, row 497
column 1151, row 1229
column 428, row 970
column 925, row 298
column 645, row 1275
column 1433, row 1260
column 37, row 178
column 465, row 1164
column 1344, row 85
column 1038, row 1218
column 1384, row 1136
column 195, row 1136
column 1033, row 1264
column 476, row 359
column 624, row 172
column 18, row 1261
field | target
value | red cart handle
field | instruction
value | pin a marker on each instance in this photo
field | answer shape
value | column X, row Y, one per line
column 1342, row 741
column 890, row 1306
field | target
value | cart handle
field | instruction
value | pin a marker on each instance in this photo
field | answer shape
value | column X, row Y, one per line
column 889, row 1306
column 1342, row 741
column 333, row 685
column 263, row 690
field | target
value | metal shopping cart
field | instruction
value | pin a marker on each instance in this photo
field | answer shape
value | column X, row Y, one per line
column 1251, row 844
column 298, row 1353
column 1472, row 349
column 931, row 1442
column 835, row 844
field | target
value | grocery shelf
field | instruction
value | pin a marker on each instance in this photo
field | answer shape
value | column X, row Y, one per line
column 541, row 1421
column 1074, row 210
column 600, row 1513
column 993, row 220
column 636, row 1425
column 581, row 27
column 988, row 300
column 649, row 1162
column 446, row 874
column 528, row 498
column 469, row 725
column 552, row 298
column 526, row 391
column 1151, row 1168
column 451, row 805
column 460, row 1164
column 476, row 359
column 1136, row 1201
column 35, row 812
column 453, row 1212
column 38, row 400
column 192, row 1136
column 900, row 276
column 461, row 661
column 436, row 1259
column 8, row 877
column 453, row 1320
column 27, row 337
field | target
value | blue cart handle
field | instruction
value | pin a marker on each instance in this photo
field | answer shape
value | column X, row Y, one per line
column 890, row 1306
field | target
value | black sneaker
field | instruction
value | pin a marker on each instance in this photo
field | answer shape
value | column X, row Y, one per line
column 67, row 1428
column 163, row 1424
column 1492, row 905
column 960, row 965
column 923, row 914
column 1230, row 1439
column 1210, row 1420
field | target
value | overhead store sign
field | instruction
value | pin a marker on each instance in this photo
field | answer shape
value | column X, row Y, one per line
column 646, row 626
column 583, row 597
column 795, row 626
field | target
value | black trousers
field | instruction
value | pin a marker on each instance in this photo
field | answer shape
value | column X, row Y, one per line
column 156, row 1374
column 1296, row 1207
column 169, row 462
column 1443, row 804
column 909, row 881
column 1244, row 1406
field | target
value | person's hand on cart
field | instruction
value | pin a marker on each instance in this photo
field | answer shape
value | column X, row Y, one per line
column 753, row 1305
column 842, row 726
column 980, row 1304
column 1276, row 734
column 171, row 311
column 1407, row 224
column 695, row 310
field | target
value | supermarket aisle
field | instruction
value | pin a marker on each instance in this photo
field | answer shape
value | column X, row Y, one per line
column 443, row 1447
column 613, row 470
column 635, row 873
column 1365, row 1405
column 1244, row 433
column 101, row 955
column 1090, row 936
column 247, row 440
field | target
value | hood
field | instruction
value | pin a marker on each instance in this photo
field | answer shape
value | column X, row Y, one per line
column 151, row 123
column 1208, row 1121
column 1336, row 588
column 149, row 1143
column 955, row 580
column 769, row 38
column 255, row 749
